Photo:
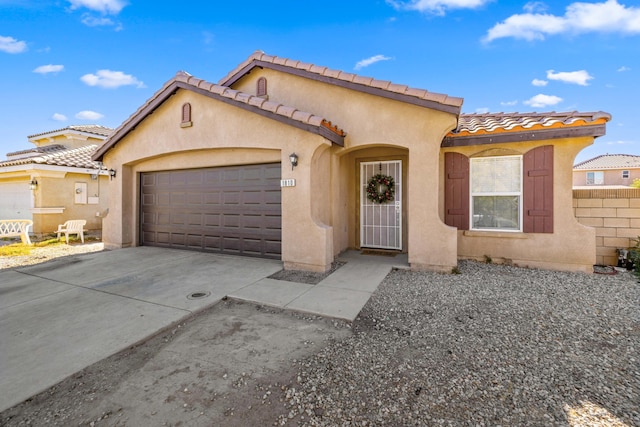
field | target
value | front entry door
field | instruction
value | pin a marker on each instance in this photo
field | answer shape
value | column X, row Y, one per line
column 381, row 223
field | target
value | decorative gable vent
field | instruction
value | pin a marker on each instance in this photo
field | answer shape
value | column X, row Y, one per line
column 261, row 87
column 186, row 115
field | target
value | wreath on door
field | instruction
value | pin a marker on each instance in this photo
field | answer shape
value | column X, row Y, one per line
column 381, row 188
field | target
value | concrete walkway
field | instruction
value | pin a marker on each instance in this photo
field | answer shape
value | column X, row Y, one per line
column 58, row 317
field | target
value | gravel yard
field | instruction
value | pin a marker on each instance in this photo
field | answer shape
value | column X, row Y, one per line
column 493, row 345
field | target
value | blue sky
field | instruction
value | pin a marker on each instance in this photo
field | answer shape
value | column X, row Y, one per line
column 69, row 62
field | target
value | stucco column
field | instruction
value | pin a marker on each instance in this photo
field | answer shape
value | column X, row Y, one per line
column 120, row 220
column 306, row 239
column 433, row 245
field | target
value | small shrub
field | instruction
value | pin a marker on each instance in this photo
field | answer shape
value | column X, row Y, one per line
column 636, row 183
column 16, row 249
column 487, row 259
column 50, row 242
column 456, row 270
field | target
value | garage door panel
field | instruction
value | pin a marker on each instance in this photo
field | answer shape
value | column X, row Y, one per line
column 212, row 220
column 213, row 198
column 235, row 210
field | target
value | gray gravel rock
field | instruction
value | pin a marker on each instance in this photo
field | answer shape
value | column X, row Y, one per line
column 494, row 345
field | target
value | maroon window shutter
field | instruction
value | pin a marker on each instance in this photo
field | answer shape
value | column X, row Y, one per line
column 456, row 196
column 537, row 189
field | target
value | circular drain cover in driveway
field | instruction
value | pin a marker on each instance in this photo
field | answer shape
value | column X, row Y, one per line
column 198, row 295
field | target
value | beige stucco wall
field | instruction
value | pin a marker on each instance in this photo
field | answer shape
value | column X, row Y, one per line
column 57, row 190
column 376, row 127
column 319, row 214
column 571, row 247
column 615, row 216
column 53, row 200
column 611, row 177
column 221, row 135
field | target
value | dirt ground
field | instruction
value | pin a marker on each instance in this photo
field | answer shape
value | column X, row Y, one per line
column 227, row 365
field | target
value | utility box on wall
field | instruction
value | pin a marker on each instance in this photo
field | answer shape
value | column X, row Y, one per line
column 80, row 193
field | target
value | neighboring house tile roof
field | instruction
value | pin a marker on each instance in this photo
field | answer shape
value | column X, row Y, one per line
column 610, row 161
column 94, row 129
column 76, row 158
column 289, row 115
column 370, row 85
column 38, row 150
column 513, row 127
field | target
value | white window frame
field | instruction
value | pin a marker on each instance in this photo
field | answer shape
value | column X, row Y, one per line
column 625, row 174
column 497, row 194
column 597, row 178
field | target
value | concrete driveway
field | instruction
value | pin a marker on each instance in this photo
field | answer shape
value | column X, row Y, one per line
column 59, row 317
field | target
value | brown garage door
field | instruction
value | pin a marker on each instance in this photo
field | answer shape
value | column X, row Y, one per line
column 231, row 210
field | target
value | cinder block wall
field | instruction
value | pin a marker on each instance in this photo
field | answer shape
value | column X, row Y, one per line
column 614, row 213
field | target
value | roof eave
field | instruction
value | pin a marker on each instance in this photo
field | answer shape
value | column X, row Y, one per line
column 530, row 135
column 172, row 87
column 255, row 63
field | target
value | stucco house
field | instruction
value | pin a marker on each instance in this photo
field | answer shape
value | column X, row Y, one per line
column 57, row 180
column 299, row 162
column 608, row 169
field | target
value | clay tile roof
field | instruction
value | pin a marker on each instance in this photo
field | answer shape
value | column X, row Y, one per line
column 185, row 81
column 504, row 122
column 76, row 157
column 94, row 129
column 38, row 150
column 610, row 161
column 502, row 127
column 420, row 96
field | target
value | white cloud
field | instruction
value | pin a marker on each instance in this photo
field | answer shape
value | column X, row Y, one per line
column 372, row 60
column 89, row 115
column 437, row 7
column 11, row 45
column 538, row 82
column 45, row 69
column 482, row 110
column 580, row 17
column 92, row 21
column 535, row 7
column 207, row 37
column 541, row 101
column 111, row 79
column 620, row 142
column 508, row 103
column 580, row 77
column 623, row 69
column 59, row 117
column 110, row 7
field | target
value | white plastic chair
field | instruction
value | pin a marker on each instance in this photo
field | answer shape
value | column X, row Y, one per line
column 73, row 226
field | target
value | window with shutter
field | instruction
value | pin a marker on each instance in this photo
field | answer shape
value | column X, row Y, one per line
column 496, row 193
column 504, row 193
column 456, row 198
column 538, row 190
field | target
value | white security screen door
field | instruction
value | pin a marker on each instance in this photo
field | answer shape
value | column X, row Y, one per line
column 381, row 223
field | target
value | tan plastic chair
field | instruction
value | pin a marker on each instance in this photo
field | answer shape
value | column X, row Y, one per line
column 73, row 226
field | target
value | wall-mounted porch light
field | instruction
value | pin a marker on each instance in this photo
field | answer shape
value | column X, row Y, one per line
column 293, row 158
column 112, row 173
column 33, row 184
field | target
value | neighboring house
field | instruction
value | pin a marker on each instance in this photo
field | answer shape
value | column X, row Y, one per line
column 293, row 161
column 608, row 169
column 57, row 180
